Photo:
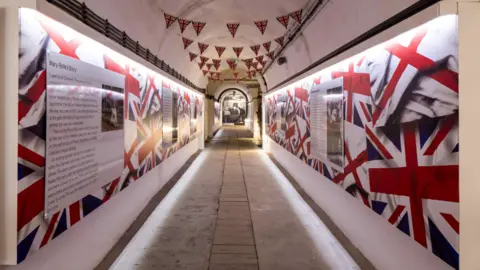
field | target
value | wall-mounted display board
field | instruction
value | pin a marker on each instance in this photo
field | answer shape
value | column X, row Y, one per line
column 234, row 106
column 217, row 121
column 383, row 125
column 78, row 98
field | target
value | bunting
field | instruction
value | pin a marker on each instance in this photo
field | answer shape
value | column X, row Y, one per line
column 261, row 25
column 233, row 27
column 259, row 58
column 216, row 63
column 198, row 27
column 201, row 64
column 267, row 45
column 260, row 70
column 297, row 16
column 209, row 66
column 280, row 40
column 203, row 47
column 255, row 65
column 255, row 49
column 271, row 55
column 283, row 20
column 192, row 56
column 204, row 72
column 232, row 64
column 248, row 62
column 220, row 50
column 203, row 59
column 169, row 19
column 212, row 73
column 186, row 42
column 235, row 75
column 183, row 24
column 238, row 50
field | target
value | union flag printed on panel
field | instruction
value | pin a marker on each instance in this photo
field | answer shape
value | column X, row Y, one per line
column 400, row 141
column 143, row 122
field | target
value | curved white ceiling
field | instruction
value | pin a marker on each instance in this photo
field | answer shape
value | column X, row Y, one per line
column 143, row 20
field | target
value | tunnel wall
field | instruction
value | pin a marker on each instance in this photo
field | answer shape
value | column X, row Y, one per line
column 336, row 24
column 101, row 217
column 386, row 127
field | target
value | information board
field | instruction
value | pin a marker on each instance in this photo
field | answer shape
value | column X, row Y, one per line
column 326, row 122
column 85, row 138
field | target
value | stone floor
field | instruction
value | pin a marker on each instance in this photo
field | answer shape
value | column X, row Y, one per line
column 233, row 209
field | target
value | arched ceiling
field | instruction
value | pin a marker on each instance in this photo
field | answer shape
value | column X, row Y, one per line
column 144, row 21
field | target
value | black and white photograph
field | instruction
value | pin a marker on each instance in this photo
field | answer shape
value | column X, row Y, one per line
column 112, row 109
column 234, row 108
column 334, row 104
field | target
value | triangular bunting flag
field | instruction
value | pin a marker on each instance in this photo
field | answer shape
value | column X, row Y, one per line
column 169, row 19
column 297, row 16
column 220, row 50
column 271, row 55
column 255, row 65
column 183, row 24
column 203, row 47
column 232, row 64
column 212, row 73
column 204, row 72
column 232, row 28
column 186, row 42
column 261, row 25
column 260, row 70
column 283, row 20
column 255, row 48
column 238, row 50
column 192, row 56
column 235, row 74
column 266, row 45
column 248, row 62
column 201, row 64
column 209, row 66
column 264, row 63
column 203, row 59
column 216, row 63
column 198, row 26
column 280, row 40
column 259, row 58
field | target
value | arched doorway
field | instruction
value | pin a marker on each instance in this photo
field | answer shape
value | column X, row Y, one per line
column 234, row 105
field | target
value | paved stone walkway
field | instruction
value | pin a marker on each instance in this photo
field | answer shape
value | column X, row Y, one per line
column 233, row 210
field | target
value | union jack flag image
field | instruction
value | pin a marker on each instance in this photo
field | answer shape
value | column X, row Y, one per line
column 143, row 126
column 400, row 140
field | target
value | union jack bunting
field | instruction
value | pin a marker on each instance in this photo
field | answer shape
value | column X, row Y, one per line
column 203, row 59
column 283, row 20
column 259, row 58
column 271, row 55
column 280, row 40
column 297, row 16
column 143, row 148
column 183, row 24
column 209, row 66
column 232, row 28
column 248, row 62
column 205, row 72
column 238, row 50
column 169, row 19
column 201, row 65
column 261, row 25
column 186, row 42
column 192, row 56
column 198, row 27
column 267, row 45
column 255, row 48
column 254, row 65
column 400, row 140
column 216, row 63
column 220, row 50
column 202, row 47
column 232, row 64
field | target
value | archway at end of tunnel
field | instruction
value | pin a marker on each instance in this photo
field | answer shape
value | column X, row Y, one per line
column 234, row 107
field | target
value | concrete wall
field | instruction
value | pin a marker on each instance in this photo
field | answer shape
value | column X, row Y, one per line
column 336, row 24
column 384, row 245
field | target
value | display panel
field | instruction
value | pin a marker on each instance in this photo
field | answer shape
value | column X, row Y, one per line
column 398, row 103
column 141, row 126
column 84, row 104
column 234, row 107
